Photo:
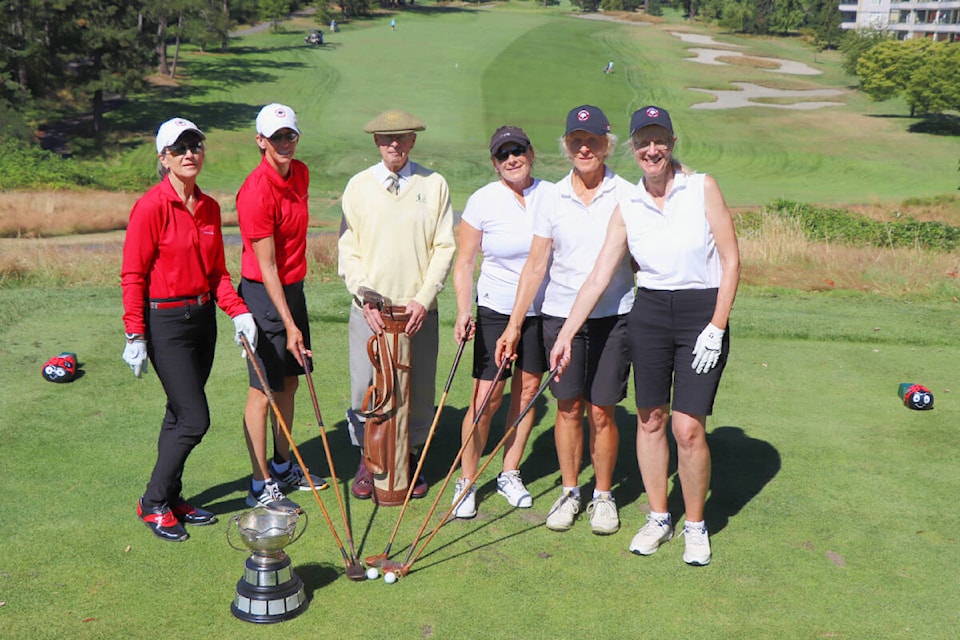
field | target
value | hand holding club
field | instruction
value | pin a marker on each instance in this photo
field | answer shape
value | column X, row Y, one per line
column 246, row 326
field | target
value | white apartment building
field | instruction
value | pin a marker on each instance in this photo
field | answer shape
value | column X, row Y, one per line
column 935, row 19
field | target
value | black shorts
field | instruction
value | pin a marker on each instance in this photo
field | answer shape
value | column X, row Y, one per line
column 530, row 354
column 599, row 361
column 664, row 326
column 277, row 363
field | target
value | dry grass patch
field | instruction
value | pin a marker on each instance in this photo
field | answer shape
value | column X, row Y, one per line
column 747, row 61
column 778, row 255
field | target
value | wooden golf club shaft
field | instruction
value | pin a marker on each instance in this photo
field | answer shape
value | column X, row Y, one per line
column 252, row 358
column 426, row 446
column 456, row 460
column 513, row 427
column 326, row 448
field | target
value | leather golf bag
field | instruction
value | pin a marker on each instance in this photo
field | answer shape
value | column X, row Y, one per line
column 386, row 406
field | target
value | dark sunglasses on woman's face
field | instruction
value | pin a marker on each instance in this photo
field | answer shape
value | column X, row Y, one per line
column 182, row 147
column 517, row 151
column 289, row 136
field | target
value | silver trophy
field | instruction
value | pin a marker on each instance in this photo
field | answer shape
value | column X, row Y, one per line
column 269, row 591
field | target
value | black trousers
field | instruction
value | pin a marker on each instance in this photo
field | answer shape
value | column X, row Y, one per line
column 181, row 344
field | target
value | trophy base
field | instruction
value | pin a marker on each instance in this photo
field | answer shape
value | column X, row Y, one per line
column 268, row 594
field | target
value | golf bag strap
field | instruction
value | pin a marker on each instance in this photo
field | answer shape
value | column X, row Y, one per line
column 380, row 393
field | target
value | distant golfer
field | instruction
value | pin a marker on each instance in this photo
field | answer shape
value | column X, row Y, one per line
column 273, row 216
column 679, row 231
column 393, row 24
column 173, row 272
column 396, row 248
column 498, row 223
column 609, row 67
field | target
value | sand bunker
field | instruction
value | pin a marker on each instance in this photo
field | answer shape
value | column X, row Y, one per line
column 748, row 92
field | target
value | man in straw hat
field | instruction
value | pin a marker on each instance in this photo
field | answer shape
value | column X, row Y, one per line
column 396, row 248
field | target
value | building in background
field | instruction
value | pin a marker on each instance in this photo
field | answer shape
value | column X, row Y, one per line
column 937, row 20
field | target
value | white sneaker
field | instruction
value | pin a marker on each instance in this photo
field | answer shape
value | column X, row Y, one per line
column 468, row 506
column 603, row 516
column 510, row 486
column 697, row 545
column 563, row 512
column 651, row 536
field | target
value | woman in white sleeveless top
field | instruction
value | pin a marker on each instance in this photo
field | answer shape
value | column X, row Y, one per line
column 679, row 231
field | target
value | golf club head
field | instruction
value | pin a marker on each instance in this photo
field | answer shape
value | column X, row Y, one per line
column 397, row 567
column 356, row 572
column 376, row 561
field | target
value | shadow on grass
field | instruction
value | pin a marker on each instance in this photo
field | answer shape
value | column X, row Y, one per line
column 316, row 575
column 938, row 124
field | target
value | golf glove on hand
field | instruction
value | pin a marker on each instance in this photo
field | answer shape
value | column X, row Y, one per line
column 135, row 355
column 706, row 353
column 245, row 325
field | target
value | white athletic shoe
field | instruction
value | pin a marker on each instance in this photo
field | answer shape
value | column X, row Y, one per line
column 696, row 545
column 468, row 506
column 563, row 513
column 651, row 536
column 603, row 516
column 510, row 486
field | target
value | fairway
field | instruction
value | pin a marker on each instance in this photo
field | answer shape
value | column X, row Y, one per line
column 466, row 70
column 832, row 506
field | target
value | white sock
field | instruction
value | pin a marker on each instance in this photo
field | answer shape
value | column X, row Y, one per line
column 660, row 517
column 602, row 494
column 573, row 491
column 694, row 525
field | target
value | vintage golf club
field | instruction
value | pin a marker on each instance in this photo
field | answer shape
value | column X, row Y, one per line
column 376, row 560
column 252, row 359
column 354, row 569
column 396, row 566
column 404, row 569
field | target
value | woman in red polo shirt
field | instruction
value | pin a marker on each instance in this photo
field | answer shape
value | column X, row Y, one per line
column 173, row 271
column 272, row 210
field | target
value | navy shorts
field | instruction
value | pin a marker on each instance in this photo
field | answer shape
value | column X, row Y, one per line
column 664, row 327
column 277, row 363
column 530, row 354
column 599, row 362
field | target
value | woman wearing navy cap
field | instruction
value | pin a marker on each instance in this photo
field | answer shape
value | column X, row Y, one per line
column 567, row 237
column 173, row 271
column 498, row 222
column 679, row 231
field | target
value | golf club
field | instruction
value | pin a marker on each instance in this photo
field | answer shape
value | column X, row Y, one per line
column 378, row 559
column 252, row 359
column 453, row 465
column 354, row 569
column 404, row 569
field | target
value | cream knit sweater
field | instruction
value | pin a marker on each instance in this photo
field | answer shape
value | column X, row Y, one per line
column 401, row 246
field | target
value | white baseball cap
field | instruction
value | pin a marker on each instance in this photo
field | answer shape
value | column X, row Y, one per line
column 274, row 117
column 171, row 130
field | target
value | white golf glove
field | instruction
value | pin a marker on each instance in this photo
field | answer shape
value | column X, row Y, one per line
column 135, row 355
column 706, row 353
column 245, row 325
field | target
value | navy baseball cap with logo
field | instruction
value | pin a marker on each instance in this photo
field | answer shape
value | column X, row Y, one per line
column 650, row 115
column 587, row 118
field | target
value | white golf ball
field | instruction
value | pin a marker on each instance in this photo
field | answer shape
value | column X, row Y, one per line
column 389, row 577
column 372, row 573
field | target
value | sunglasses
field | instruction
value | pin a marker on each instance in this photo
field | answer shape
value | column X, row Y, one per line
column 289, row 136
column 181, row 148
column 517, row 151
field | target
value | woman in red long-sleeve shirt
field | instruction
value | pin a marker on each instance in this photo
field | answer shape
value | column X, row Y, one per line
column 173, row 271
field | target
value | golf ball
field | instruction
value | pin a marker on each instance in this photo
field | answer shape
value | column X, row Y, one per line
column 372, row 573
column 389, row 577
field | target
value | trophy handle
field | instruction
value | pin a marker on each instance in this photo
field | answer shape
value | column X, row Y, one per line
column 234, row 521
column 303, row 516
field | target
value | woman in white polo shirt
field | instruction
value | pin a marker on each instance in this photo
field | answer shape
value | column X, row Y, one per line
column 498, row 222
column 567, row 237
column 678, row 229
